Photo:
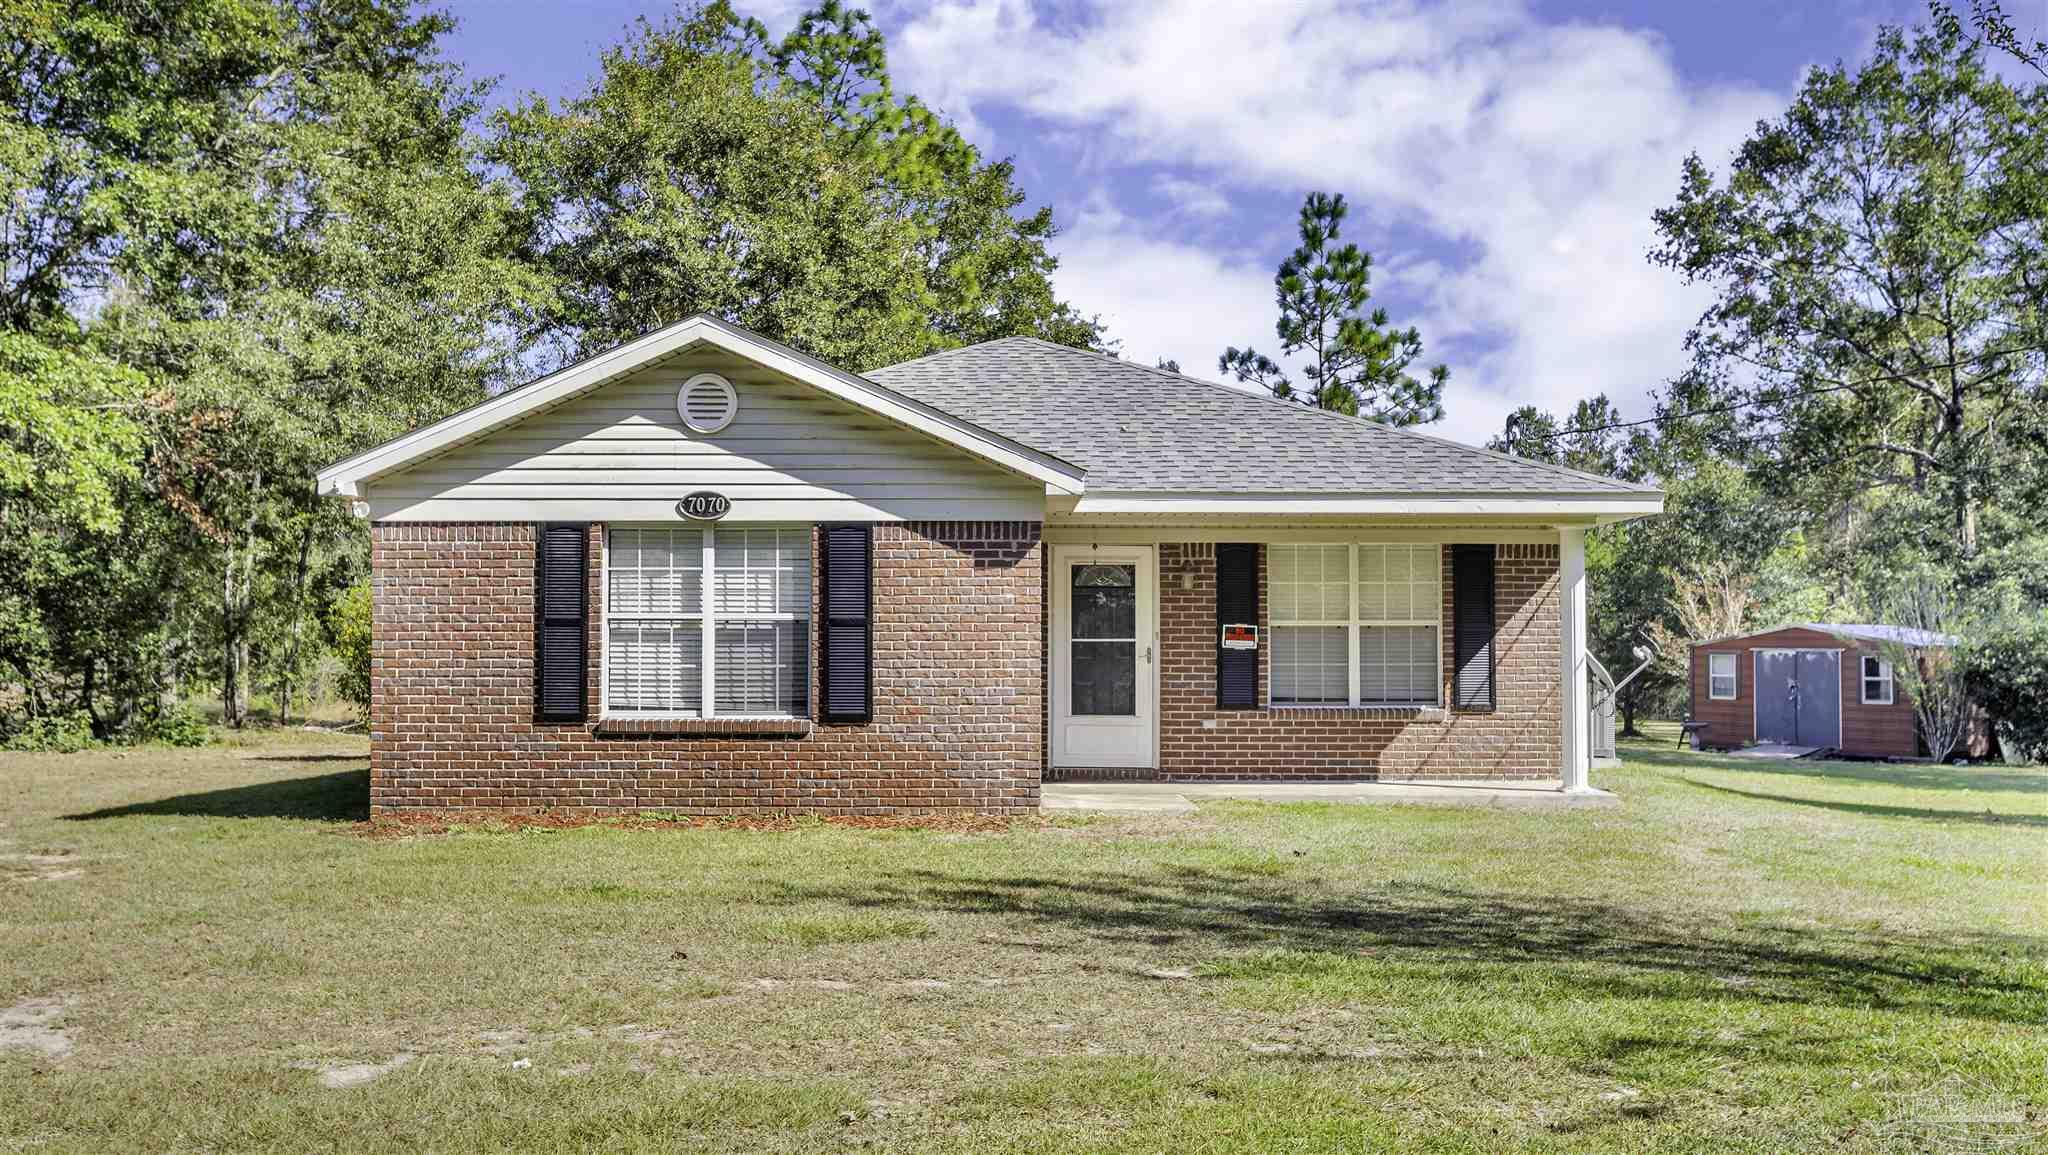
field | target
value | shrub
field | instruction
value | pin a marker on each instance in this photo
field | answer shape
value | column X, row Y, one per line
column 55, row 733
column 179, row 725
column 2007, row 672
column 348, row 629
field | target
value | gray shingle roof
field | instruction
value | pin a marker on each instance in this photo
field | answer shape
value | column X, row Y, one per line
column 1138, row 428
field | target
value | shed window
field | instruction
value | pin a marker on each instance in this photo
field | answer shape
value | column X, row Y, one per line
column 704, row 622
column 1721, row 677
column 1356, row 625
column 1877, row 682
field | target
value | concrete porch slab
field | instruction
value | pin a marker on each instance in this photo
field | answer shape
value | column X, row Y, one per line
column 1181, row 797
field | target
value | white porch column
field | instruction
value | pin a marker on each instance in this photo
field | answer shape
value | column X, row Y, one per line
column 1577, row 743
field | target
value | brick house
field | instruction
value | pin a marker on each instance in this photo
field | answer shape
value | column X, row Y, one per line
column 704, row 572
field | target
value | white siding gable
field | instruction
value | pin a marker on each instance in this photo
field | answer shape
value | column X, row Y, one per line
column 620, row 453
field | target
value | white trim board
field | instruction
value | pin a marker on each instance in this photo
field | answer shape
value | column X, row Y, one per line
column 1601, row 508
column 346, row 478
column 1293, row 531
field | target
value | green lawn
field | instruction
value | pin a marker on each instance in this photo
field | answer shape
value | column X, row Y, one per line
column 1803, row 955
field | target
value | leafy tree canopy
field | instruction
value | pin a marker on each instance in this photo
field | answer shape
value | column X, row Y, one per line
column 784, row 186
column 1878, row 259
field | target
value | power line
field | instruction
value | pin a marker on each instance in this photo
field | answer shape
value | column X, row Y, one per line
column 1730, row 407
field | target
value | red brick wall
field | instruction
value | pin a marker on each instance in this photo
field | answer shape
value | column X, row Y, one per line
column 1519, row 738
column 959, row 689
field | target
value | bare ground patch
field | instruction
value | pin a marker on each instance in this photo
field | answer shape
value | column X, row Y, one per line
column 341, row 1076
column 30, row 1025
column 42, row 866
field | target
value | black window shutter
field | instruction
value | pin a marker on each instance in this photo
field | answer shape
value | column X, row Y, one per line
column 1472, row 626
column 1237, row 603
column 848, row 666
column 564, row 612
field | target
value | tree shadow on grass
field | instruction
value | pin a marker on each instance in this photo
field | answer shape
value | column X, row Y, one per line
column 1614, row 952
column 1908, row 775
column 340, row 797
column 1878, row 810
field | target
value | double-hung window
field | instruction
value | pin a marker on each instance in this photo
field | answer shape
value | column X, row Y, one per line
column 1877, row 682
column 708, row 622
column 1355, row 625
column 1721, row 677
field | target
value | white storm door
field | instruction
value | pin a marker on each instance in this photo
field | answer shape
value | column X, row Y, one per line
column 1104, row 656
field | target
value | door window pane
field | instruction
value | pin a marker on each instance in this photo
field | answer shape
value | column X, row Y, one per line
column 1104, row 677
column 1105, row 601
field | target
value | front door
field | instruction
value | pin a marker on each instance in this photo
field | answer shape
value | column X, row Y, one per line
column 1103, row 640
column 1799, row 697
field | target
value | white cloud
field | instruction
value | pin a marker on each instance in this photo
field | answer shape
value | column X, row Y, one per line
column 1191, row 197
column 1161, row 298
column 1535, row 150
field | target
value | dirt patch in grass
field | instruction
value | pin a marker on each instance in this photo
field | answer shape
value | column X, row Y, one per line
column 28, row 1025
column 339, row 1077
column 47, row 866
column 420, row 823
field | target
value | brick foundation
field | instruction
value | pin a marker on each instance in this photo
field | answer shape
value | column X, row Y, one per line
column 959, row 700
column 1519, row 738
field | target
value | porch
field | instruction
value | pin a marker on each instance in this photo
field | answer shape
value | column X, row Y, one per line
column 1182, row 797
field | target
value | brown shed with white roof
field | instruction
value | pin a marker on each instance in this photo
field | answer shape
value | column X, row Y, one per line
column 1826, row 685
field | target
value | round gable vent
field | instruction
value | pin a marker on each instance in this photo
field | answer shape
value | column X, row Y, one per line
column 707, row 403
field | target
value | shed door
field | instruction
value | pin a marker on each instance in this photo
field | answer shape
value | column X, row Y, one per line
column 1799, row 697
column 1777, row 696
column 1820, row 698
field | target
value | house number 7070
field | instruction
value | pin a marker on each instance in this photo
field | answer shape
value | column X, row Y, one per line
column 704, row 506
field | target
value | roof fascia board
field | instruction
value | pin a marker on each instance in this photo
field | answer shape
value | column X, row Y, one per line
column 346, row 477
column 1519, row 505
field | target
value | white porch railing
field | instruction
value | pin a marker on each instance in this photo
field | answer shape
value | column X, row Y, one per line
column 1600, row 703
column 1602, row 690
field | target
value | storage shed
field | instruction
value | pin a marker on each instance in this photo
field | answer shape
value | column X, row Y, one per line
column 1825, row 685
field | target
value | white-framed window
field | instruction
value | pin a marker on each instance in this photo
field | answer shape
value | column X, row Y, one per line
column 1721, row 677
column 1355, row 625
column 1877, row 681
column 704, row 622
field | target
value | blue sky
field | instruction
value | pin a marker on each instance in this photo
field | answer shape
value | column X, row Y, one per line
column 1501, row 158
